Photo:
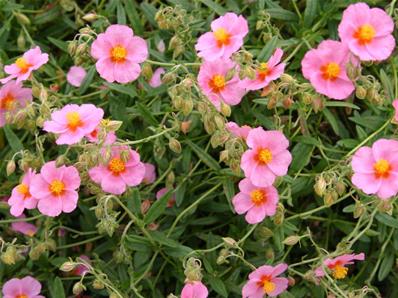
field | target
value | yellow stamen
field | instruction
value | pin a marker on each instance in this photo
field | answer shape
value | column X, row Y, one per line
column 339, row 271
column 330, row 71
column 258, row 197
column 23, row 189
column 74, row 120
column 382, row 168
column 267, row 284
column 21, row 296
column 7, row 102
column 222, row 37
column 365, row 34
column 23, row 65
column 217, row 83
column 263, row 71
column 57, row 187
column 264, row 156
column 116, row 166
column 118, row 54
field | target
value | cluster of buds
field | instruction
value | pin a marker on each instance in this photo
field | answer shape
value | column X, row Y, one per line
column 264, row 25
column 368, row 88
column 182, row 96
column 40, row 248
column 11, row 255
column 107, row 217
column 330, row 187
column 231, row 155
column 247, row 67
column 79, row 48
column 192, row 269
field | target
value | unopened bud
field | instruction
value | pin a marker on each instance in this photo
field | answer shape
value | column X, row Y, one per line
column 340, row 188
column 269, row 254
column 185, row 125
column 225, row 109
column 371, row 94
column 72, row 46
column 291, row 240
column 287, row 102
column 263, row 233
column 280, row 214
column 359, row 209
column 22, row 18
column 318, row 104
column 291, row 281
column 229, row 242
column 175, row 145
column 168, row 78
column 21, row 41
column 288, row 79
column 11, row 166
column 98, row 285
column 78, row 288
column 146, row 71
column 10, row 256
column 320, row 186
column 67, row 266
column 90, row 17
column 360, row 92
column 230, row 74
column 330, row 197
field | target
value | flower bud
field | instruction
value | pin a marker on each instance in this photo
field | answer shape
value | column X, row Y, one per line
column 318, row 104
column 263, row 233
column 90, row 17
column 229, row 242
column 360, row 92
column 330, row 197
column 78, row 288
column 359, row 209
column 10, row 167
column 291, row 281
column 269, row 254
column 22, row 18
column 184, row 126
column 146, row 71
column 288, row 79
column 68, row 266
column 230, row 74
column 10, row 256
column 320, row 186
column 175, row 145
column 371, row 94
column 291, row 240
column 287, row 102
column 280, row 214
column 21, row 41
column 168, row 78
column 225, row 109
column 340, row 188
column 98, row 285
column 72, row 46
column 187, row 106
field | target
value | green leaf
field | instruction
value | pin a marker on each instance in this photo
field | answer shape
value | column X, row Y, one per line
column 344, row 104
column 337, row 127
column 121, row 14
column 56, row 288
column 62, row 45
column 387, row 220
column 146, row 114
column 158, row 207
column 310, row 12
column 204, row 156
column 88, row 79
column 134, row 203
column 214, row 6
column 13, row 139
column 125, row 89
column 301, row 156
column 387, row 84
column 282, row 14
column 218, row 286
column 133, row 16
column 268, row 49
column 385, row 265
column 180, row 193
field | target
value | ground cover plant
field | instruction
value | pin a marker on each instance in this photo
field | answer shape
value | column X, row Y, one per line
column 198, row 149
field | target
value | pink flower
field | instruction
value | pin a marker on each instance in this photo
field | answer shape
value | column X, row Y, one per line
column 110, row 137
column 240, row 132
column 55, row 188
column 226, row 38
column 73, row 122
column 82, row 269
column 194, row 289
column 376, row 169
column 162, row 192
column 267, row 156
column 395, row 105
column 21, row 197
column 156, row 79
column 367, row 32
column 212, row 80
column 76, row 75
column 119, row 53
column 266, row 72
column 325, row 68
column 12, row 98
column 119, row 173
column 256, row 202
column 150, row 173
column 264, row 281
column 23, row 227
column 337, row 265
column 23, row 66
column 27, row 287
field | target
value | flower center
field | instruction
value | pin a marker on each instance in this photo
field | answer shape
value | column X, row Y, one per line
column 116, row 166
column 264, row 156
column 222, row 37
column 217, row 83
column 365, row 34
column 339, row 271
column 21, row 296
column 7, row 102
column 57, row 187
column 118, row 54
column 74, row 120
column 23, row 65
column 258, row 197
column 23, row 189
column 263, row 71
column 267, row 284
column 330, row 71
column 382, row 168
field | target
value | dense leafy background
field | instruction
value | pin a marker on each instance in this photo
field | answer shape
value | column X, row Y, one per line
column 323, row 134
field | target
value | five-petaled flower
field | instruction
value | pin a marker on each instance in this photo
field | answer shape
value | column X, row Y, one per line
column 337, row 266
column 21, row 197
